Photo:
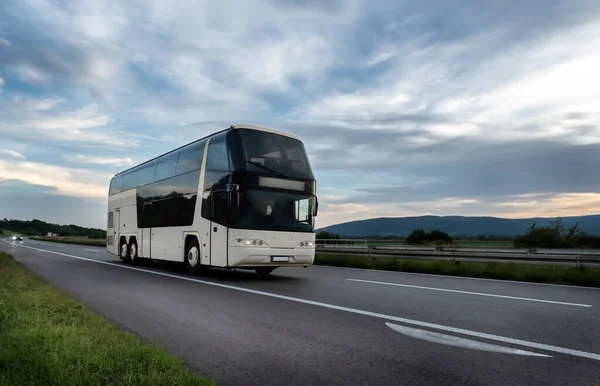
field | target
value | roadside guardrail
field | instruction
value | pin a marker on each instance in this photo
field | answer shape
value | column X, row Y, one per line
column 559, row 257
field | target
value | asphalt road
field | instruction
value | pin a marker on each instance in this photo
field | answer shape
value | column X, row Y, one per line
column 324, row 325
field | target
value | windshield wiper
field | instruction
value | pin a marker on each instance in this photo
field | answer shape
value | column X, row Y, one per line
column 266, row 168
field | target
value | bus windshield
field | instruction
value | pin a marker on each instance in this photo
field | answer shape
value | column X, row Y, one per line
column 277, row 211
column 275, row 153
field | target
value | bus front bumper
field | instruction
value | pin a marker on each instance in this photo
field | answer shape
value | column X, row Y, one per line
column 277, row 257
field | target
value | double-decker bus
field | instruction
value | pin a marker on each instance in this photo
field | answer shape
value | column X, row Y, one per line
column 243, row 197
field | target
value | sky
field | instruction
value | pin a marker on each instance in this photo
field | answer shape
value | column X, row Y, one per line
column 466, row 107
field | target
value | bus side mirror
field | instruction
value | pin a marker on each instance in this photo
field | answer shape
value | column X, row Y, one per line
column 316, row 206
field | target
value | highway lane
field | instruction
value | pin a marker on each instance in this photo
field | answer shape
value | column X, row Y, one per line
column 568, row 325
column 250, row 338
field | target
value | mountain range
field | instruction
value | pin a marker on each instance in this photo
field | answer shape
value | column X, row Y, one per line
column 455, row 226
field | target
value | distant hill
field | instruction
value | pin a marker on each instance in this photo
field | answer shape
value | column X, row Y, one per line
column 455, row 226
column 38, row 228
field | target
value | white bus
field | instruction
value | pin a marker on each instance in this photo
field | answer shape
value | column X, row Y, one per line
column 243, row 197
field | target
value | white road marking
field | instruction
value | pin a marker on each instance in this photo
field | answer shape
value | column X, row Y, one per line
column 483, row 335
column 471, row 293
column 456, row 341
column 91, row 250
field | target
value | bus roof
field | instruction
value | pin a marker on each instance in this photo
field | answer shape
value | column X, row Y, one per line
column 240, row 126
column 261, row 128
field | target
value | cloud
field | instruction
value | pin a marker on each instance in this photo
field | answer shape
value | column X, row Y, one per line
column 100, row 160
column 487, row 97
column 39, row 120
column 64, row 181
column 24, row 105
column 12, row 153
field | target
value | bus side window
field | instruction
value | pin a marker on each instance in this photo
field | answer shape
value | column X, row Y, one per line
column 218, row 156
column 190, row 158
column 166, row 166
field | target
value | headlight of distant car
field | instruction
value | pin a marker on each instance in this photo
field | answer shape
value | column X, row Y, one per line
column 14, row 237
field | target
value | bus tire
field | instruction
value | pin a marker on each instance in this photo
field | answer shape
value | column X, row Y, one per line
column 192, row 256
column 133, row 252
column 264, row 271
column 123, row 250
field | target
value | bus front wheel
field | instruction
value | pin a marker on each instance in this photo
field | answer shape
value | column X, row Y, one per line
column 192, row 256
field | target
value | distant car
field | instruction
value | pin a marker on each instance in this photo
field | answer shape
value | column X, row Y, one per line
column 17, row 238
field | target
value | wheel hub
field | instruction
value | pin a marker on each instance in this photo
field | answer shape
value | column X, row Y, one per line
column 193, row 256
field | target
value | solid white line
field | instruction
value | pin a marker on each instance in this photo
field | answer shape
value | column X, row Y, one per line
column 91, row 250
column 472, row 293
column 457, row 277
column 540, row 346
column 456, row 341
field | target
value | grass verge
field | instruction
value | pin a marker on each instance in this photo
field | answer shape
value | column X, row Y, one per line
column 47, row 337
column 6, row 233
column 531, row 273
column 88, row 242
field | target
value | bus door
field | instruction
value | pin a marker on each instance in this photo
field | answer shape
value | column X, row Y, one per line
column 218, row 232
column 146, row 238
column 117, row 232
column 147, row 233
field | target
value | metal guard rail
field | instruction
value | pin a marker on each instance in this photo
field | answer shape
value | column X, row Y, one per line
column 558, row 257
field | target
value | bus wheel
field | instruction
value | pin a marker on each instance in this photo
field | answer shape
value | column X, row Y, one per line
column 123, row 251
column 264, row 271
column 133, row 252
column 192, row 256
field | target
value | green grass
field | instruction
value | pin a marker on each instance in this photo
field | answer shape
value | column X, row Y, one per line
column 6, row 233
column 76, row 241
column 530, row 273
column 48, row 338
column 483, row 244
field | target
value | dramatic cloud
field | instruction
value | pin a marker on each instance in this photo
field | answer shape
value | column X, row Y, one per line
column 406, row 108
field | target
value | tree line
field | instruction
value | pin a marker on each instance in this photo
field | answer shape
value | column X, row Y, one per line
column 41, row 228
column 556, row 235
column 419, row 236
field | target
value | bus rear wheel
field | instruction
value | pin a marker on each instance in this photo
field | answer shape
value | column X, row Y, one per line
column 133, row 252
column 264, row 271
column 192, row 256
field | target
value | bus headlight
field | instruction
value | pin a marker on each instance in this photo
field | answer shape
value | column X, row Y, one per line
column 251, row 243
column 307, row 244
